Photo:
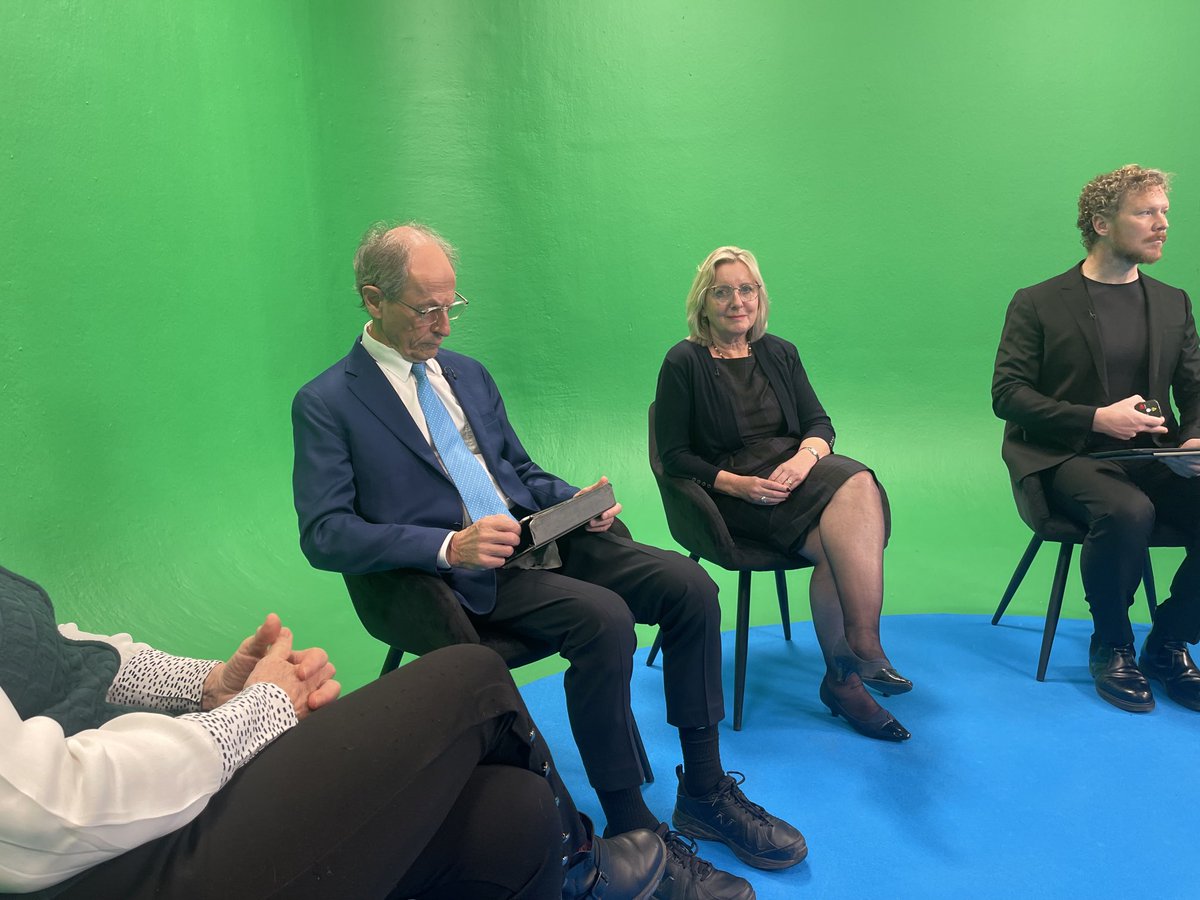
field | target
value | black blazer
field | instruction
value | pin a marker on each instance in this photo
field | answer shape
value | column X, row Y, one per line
column 1050, row 376
column 695, row 422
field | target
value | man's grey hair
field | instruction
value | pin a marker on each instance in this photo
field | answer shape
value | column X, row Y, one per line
column 382, row 256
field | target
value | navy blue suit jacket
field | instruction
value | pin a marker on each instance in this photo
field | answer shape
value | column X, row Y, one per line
column 369, row 491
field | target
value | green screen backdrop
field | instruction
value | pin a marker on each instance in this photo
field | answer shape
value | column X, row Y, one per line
column 184, row 184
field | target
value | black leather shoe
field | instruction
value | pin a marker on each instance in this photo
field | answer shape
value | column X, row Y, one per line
column 755, row 836
column 879, row 675
column 626, row 867
column 1117, row 677
column 688, row 877
column 882, row 726
column 1170, row 663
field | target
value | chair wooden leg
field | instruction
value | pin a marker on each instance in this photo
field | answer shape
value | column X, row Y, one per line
column 1031, row 551
column 785, row 613
column 654, row 648
column 741, row 641
column 1148, row 583
column 392, row 661
column 1054, row 608
column 642, row 757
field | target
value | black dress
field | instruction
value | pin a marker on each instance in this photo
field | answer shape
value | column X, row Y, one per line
column 745, row 429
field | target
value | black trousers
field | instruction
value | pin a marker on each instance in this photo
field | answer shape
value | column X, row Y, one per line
column 588, row 608
column 431, row 782
column 1119, row 504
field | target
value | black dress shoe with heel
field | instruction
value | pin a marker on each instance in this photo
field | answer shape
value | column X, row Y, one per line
column 1169, row 663
column 1117, row 677
column 882, row 726
column 879, row 675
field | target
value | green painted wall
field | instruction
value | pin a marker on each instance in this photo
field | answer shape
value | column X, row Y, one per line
column 183, row 185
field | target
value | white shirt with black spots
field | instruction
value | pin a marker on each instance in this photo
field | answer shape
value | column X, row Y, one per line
column 69, row 803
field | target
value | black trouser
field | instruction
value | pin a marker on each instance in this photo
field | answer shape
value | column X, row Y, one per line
column 1119, row 504
column 426, row 783
column 588, row 608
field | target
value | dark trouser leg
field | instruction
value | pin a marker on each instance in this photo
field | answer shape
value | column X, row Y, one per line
column 1176, row 503
column 593, row 631
column 483, row 849
column 667, row 589
column 346, row 803
column 1119, row 517
column 587, row 608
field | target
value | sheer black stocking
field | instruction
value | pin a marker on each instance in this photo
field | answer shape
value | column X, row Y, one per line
column 846, row 587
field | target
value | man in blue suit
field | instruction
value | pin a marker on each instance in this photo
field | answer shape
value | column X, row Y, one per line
column 405, row 458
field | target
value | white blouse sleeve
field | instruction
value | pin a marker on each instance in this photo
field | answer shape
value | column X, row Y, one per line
column 68, row 803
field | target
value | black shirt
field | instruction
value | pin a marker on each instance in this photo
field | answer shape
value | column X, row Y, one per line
column 1120, row 312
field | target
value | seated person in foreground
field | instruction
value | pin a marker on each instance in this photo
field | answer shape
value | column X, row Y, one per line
column 405, row 458
column 1078, row 356
column 127, row 772
column 735, row 412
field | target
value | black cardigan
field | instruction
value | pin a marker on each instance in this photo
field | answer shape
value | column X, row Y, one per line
column 695, row 422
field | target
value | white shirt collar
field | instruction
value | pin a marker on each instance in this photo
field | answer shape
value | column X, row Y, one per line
column 391, row 360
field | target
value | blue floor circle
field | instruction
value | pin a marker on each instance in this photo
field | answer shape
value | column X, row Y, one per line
column 1009, row 786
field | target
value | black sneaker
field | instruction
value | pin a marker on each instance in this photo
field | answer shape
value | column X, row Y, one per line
column 755, row 836
column 688, row 877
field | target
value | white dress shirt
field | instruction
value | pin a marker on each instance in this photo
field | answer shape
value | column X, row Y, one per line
column 398, row 372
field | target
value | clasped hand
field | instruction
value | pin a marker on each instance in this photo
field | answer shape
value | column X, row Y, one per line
column 268, row 656
column 778, row 487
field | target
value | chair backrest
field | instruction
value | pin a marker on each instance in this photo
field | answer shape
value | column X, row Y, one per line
column 410, row 610
column 697, row 525
column 692, row 517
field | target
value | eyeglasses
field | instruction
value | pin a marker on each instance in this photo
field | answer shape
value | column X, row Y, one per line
column 723, row 293
column 429, row 313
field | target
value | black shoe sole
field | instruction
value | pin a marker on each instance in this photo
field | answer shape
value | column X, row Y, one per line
column 698, row 831
column 1194, row 707
column 1126, row 705
column 885, row 688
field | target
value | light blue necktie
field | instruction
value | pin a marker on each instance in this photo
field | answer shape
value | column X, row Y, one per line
column 474, row 486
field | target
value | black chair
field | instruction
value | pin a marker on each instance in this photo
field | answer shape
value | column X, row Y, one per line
column 697, row 526
column 1046, row 525
column 415, row 612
